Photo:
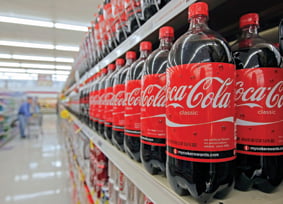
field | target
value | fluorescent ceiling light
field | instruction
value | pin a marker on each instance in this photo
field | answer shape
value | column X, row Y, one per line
column 63, row 67
column 36, row 58
column 47, row 24
column 39, row 46
column 34, row 71
column 37, row 66
column 70, row 27
column 63, row 59
column 9, row 64
column 26, row 22
column 42, row 66
column 67, row 48
column 12, row 70
column 28, row 45
column 5, row 56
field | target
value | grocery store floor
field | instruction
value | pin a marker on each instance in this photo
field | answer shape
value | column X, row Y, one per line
column 34, row 170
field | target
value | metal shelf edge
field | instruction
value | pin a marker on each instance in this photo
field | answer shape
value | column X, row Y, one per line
column 147, row 183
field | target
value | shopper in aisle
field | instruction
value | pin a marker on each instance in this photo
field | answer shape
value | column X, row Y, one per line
column 24, row 113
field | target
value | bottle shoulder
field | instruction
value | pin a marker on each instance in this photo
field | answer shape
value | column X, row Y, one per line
column 198, row 47
column 135, row 71
column 120, row 76
column 156, row 62
column 253, row 53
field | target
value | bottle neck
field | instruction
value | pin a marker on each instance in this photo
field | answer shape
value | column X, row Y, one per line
column 145, row 53
column 249, row 31
column 103, row 74
column 129, row 62
column 198, row 22
column 166, row 43
column 110, row 71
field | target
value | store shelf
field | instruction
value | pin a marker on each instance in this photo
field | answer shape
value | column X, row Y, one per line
column 7, row 138
column 157, row 188
column 70, row 89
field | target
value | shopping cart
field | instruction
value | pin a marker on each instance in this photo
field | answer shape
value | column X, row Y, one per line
column 34, row 126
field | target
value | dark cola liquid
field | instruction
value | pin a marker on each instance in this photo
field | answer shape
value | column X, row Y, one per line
column 262, row 172
column 132, row 144
column 154, row 157
column 202, row 180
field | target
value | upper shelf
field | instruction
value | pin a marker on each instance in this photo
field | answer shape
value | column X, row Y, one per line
column 224, row 16
column 157, row 188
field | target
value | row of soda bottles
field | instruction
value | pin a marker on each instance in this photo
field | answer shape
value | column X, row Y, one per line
column 115, row 21
column 110, row 184
column 189, row 107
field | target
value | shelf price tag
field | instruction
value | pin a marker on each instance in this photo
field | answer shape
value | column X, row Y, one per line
column 78, row 130
column 91, row 145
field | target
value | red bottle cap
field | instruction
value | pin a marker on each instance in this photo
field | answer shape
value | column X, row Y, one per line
column 166, row 31
column 249, row 19
column 111, row 67
column 145, row 45
column 107, row 6
column 100, row 18
column 104, row 70
column 120, row 61
column 199, row 8
column 131, row 55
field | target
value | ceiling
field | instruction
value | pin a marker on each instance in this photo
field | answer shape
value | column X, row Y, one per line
column 71, row 12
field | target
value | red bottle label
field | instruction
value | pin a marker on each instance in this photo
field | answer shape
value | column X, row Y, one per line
column 259, row 100
column 108, row 106
column 101, row 107
column 153, row 127
column 132, row 108
column 200, row 112
column 90, row 105
column 96, row 100
column 119, row 107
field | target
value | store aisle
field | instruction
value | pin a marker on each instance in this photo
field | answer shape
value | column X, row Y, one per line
column 34, row 170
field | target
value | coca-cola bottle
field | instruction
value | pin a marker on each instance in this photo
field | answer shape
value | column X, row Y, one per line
column 119, row 101
column 120, row 62
column 91, row 96
column 97, row 99
column 133, row 10
column 110, row 26
column 120, row 19
column 200, row 111
column 101, row 88
column 153, row 127
column 88, row 91
column 81, row 93
column 259, row 83
column 133, row 100
column 101, row 107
